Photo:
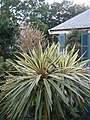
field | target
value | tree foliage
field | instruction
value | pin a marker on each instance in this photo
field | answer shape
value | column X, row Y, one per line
column 8, row 28
column 57, row 13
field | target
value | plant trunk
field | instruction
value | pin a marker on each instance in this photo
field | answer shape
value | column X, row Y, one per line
column 45, row 112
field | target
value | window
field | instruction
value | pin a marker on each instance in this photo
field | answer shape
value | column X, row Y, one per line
column 85, row 39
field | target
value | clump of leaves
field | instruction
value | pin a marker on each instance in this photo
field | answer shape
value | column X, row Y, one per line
column 30, row 38
column 46, row 78
column 5, row 69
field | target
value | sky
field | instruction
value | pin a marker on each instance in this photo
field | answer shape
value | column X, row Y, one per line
column 87, row 2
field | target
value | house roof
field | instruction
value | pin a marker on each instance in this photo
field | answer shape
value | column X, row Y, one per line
column 81, row 21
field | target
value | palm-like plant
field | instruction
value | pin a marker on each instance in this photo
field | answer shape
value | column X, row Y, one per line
column 44, row 78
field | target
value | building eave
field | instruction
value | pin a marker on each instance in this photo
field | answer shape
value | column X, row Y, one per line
column 58, row 31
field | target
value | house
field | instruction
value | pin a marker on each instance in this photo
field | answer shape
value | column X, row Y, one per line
column 79, row 22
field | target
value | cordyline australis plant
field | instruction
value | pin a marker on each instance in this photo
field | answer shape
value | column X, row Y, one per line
column 30, row 38
column 43, row 78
